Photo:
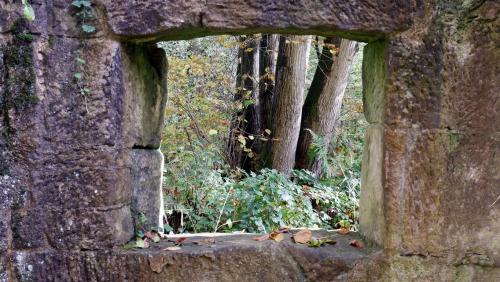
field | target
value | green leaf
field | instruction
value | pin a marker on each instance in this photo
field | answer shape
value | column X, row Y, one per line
column 139, row 243
column 156, row 238
column 80, row 61
column 248, row 102
column 86, row 91
column 139, row 234
column 78, row 76
column 28, row 11
column 88, row 28
column 81, row 3
column 212, row 132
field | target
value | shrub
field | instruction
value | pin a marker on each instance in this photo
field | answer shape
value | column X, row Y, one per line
column 269, row 200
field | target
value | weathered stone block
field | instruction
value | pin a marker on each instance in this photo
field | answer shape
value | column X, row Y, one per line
column 374, row 72
column 180, row 19
column 93, row 120
column 232, row 257
column 442, row 73
column 371, row 203
column 147, row 172
column 5, row 230
column 439, row 192
column 88, row 229
column 83, row 178
column 145, row 95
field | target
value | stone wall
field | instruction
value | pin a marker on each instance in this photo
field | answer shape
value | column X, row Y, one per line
column 72, row 167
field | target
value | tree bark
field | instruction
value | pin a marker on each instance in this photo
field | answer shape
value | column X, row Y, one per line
column 247, row 85
column 288, row 100
column 268, row 59
column 324, row 101
column 268, row 55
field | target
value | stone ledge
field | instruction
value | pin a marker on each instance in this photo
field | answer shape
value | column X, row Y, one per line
column 231, row 258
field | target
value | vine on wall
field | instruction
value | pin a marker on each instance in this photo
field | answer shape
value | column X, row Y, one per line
column 86, row 14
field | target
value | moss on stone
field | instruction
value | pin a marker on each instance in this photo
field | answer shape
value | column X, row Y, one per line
column 17, row 75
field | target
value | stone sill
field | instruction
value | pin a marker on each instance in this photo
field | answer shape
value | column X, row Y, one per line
column 232, row 258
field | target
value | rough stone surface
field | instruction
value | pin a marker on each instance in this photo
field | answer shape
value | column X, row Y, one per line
column 67, row 169
column 147, row 194
column 154, row 19
column 145, row 86
column 374, row 71
column 441, row 141
column 371, row 203
column 231, row 258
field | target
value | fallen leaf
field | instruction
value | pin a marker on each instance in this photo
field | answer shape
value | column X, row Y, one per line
column 175, row 248
column 276, row 236
column 303, row 236
column 357, row 244
column 153, row 236
column 180, row 241
column 314, row 243
column 320, row 242
column 343, row 231
column 141, row 244
column 261, row 238
column 156, row 237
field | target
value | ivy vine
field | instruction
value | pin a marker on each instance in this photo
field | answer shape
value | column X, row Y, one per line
column 86, row 14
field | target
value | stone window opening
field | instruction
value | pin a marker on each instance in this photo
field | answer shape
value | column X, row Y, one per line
column 148, row 201
column 73, row 169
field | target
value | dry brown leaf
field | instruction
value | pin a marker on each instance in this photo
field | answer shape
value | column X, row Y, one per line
column 180, row 241
column 343, row 231
column 175, row 248
column 277, row 236
column 303, row 236
column 261, row 238
column 357, row 244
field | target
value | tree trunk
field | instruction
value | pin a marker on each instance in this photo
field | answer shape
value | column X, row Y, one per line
column 247, row 85
column 288, row 100
column 268, row 59
column 324, row 101
column 268, row 55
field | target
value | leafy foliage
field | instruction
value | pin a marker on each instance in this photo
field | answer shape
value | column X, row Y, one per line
column 85, row 14
column 204, row 194
column 269, row 200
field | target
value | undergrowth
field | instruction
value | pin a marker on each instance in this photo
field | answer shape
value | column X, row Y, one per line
column 203, row 194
